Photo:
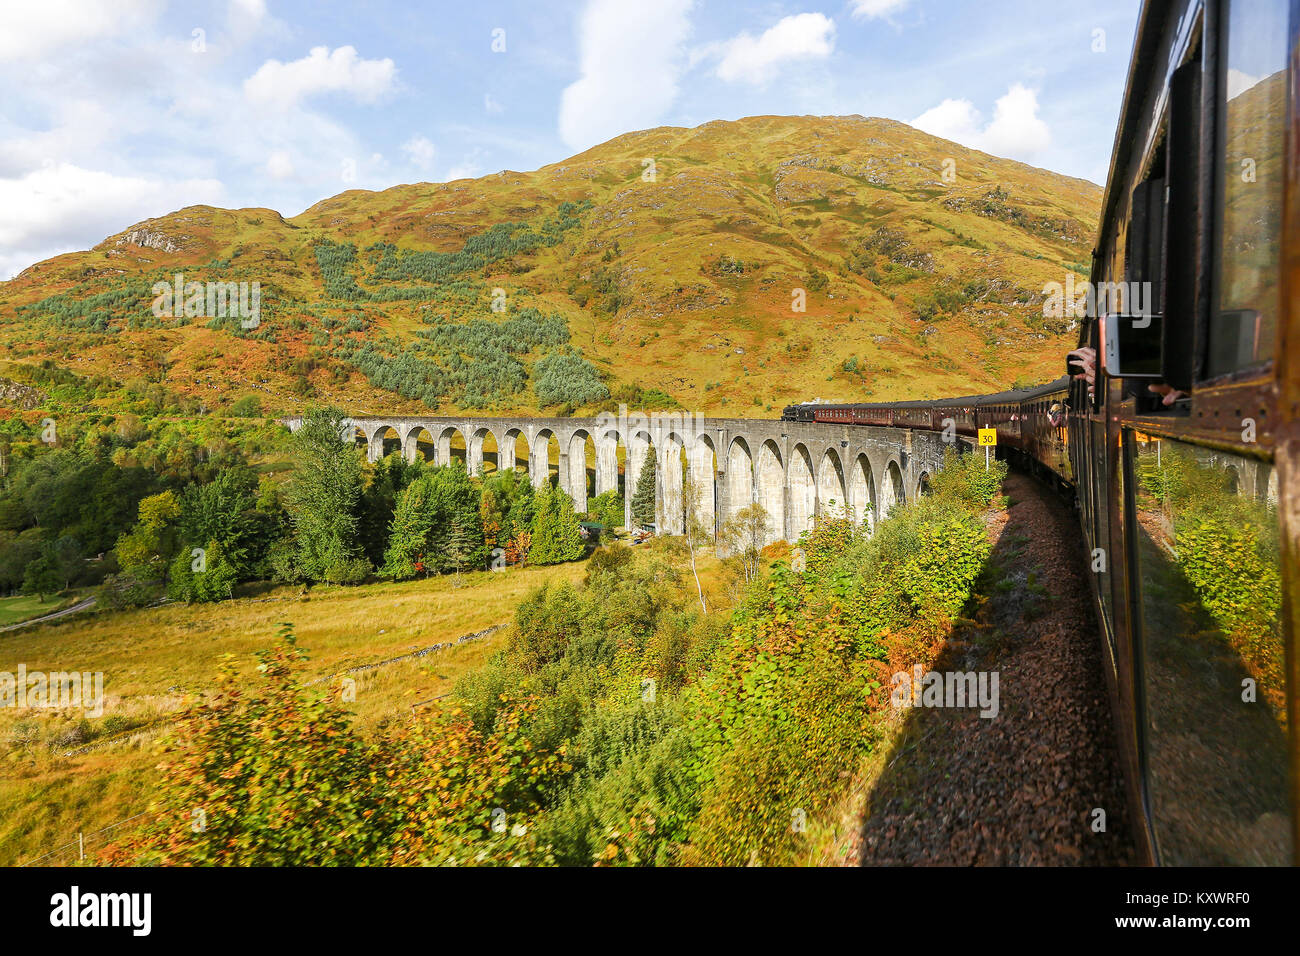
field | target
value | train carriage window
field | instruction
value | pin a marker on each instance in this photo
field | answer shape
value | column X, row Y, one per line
column 1183, row 298
column 1101, row 558
column 1253, row 111
column 1144, row 248
column 1210, row 650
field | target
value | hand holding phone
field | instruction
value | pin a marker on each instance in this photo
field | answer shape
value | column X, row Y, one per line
column 1132, row 345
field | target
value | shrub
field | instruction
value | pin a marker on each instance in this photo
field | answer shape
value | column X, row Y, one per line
column 831, row 534
column 964, row 480
column 283, row 779
column 121, row 591
column 283, row 559
column 545, row 622
column 612, row 560
column 607, row 508
column 778, row 720
column 215, row 582
column 947, row 554
column 250, row 406
column 632, row 800
column 1232, row 563
column 348, row 571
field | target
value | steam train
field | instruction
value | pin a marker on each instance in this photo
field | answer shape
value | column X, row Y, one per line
column 1178, row 432
column 1031, row 423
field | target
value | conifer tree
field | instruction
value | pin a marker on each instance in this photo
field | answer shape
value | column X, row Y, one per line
column 643, row 502
column 322, row 495
column 408, row 536
column 462, row 546
column 556, row 534
column 454, row 501
column 434, row 508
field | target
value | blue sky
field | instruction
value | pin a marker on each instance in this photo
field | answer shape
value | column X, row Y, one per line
column 117, row 111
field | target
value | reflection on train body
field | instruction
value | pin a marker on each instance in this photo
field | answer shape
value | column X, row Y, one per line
column 1211, row 654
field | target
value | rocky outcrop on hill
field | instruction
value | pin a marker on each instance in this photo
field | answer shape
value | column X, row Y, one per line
column 17, row 395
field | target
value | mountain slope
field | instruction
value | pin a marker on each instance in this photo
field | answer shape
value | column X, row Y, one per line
column 668, row 259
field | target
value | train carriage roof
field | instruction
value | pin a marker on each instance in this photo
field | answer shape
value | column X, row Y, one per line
column 1015, row 395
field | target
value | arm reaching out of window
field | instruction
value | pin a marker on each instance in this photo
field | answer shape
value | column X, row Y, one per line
column 1086, row 359
column 1168, row 392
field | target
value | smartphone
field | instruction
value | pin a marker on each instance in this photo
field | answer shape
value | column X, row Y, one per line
column 1132, row 345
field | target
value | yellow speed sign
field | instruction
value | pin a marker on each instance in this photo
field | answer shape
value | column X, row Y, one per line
column 988, row 436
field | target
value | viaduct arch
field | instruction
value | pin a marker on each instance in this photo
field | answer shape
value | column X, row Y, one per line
column 796, row 470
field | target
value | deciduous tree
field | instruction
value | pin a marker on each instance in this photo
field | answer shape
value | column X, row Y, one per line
column 744, row 534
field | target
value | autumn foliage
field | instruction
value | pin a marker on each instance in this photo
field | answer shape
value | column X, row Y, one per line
column 621, row 725
column 275, row 775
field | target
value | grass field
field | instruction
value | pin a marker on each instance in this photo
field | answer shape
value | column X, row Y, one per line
column 23, row 607
column 155, row 660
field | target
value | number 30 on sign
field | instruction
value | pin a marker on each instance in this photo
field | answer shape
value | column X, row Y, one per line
column 988, row 436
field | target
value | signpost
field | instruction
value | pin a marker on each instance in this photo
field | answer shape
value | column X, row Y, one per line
column 988, row 439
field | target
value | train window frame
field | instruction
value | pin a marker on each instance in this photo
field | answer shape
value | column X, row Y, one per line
column 1208, row 374
column 1103, row 465
column 1136, row 633
column 1161, row 837
column 1188, row 161
column 1145, row 242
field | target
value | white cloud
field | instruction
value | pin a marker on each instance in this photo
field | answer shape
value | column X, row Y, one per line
column 81, row 120
column 805, row 36
column 420, row 152
column 631, row 58
column 466, row 170
column 491, row 104
column 249, row 23
column 283, row 84
column 248, row 9
column 877, row 9
column 957, row 120
column 73, row 127
column 1016, row 130
column 36, row 29
column 280, row 165
column 54, row 209
column 470, row 166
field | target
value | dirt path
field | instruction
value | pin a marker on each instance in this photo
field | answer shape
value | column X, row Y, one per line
column 79, row 606
column 1019, row 788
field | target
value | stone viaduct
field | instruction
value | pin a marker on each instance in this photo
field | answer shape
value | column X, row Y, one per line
column 795, row 470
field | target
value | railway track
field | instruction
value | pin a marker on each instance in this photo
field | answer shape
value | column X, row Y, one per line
column 1021, row 789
